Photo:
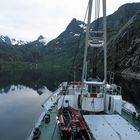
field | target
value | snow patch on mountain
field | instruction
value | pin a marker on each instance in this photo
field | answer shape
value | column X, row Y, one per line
column 18, row 42
column 44, row 41
column 83, row 26
column 76, row 34
column 11, row 41
column 5, row 39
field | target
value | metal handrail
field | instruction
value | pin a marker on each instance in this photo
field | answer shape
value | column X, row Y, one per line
column 97, row 45
column 96, row 32
column 94, row 82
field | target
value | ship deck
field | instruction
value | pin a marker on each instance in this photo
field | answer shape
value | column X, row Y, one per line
column 108, row 127
column 50, row 131
column 131, row 120
column 101, row 126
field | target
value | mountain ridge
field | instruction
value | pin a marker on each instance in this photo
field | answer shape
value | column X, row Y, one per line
column 11, row 41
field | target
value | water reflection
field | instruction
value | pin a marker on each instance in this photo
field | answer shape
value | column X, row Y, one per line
column 20, row 107
column 35, row 79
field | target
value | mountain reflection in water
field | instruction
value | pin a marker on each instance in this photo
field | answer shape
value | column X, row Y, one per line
column 20, row 108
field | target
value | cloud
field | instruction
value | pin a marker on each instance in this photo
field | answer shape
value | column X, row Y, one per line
column 27, row 19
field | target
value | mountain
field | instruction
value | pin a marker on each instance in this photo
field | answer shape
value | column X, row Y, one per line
column 126, row 45
column 12, row 57
column 65, row 46
column 42, row 40
column 5, row 39
column 68, row 41
column 18, row 42
column 60, row 57
column 11, row 41
column 69, row 36
column 122, row 15
column 116, row 20
column 124, row 59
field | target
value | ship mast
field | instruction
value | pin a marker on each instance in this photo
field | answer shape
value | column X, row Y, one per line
column 87, row 38
column 96, row 42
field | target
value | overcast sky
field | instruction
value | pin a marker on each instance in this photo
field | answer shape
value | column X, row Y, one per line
column 27, row 19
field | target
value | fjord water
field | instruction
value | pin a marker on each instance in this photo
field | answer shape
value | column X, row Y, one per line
column 20, row 108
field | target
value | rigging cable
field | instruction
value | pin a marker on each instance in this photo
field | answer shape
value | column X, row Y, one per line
column 78, row 46
column 96, row 34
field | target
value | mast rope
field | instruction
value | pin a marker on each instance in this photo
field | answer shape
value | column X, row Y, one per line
column 96, row 28
column 72, row 68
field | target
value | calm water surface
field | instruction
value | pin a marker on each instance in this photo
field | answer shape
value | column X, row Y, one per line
column 20, row 108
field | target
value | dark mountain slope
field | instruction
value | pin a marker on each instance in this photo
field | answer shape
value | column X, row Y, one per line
column 119, row 18
column 69, row 37
column 124, row 59
column 126, row 47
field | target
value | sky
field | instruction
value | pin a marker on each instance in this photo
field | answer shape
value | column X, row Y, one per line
column 27, row 19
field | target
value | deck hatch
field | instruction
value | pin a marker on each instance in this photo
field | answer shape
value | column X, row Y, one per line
column 108, row 127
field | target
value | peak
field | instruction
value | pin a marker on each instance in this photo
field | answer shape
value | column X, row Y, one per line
column 74, row 20
column 40, row 37
column 2, row 36
column 5, row 39
column 129, row 7
column 74, row 24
